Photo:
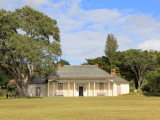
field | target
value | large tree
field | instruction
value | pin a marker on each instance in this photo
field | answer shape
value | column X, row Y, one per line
column 110, row 47
column 139, row 61
column 21, row 54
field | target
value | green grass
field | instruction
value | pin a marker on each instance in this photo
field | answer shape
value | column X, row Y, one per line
column 81, row 108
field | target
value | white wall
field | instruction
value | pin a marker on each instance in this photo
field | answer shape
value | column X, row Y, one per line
column 32, row 90
column 124, row 88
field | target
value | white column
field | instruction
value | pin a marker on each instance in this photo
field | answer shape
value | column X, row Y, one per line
column 108, row 89
column 53, row 89
column 94, row 90
column 113, row 89
column 74, row 90
column 88, row 89
column 48, row 88
column 68, row 88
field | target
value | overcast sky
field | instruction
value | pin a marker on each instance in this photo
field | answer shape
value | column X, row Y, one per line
column 85, row 24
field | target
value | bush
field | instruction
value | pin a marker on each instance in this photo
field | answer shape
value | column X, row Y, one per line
column 132, row 89
column 145, row 87
column 1, row 93
column 12, row 87
column 139, row 91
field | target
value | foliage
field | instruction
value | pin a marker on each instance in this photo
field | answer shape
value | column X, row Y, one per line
column 150, row 94
column 63, row 62
column 132, row 83
column 132, row 89
column 145, row 87
column 139, row 62
column 4, row 77
column 1, row 92
column 12, row 87
column 23, row 55
column 139, row 91
column 103, row 63
column 153, row 81
column 132, row 86
column 111, row 47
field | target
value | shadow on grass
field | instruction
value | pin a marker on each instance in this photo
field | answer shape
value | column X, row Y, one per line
column 34, row 97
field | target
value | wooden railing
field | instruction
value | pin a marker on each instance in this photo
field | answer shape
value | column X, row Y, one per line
column 59, row 94
column 101, row 94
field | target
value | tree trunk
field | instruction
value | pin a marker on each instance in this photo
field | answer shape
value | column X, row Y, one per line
column 22, row 92
column 25, row 91
column 139, row 84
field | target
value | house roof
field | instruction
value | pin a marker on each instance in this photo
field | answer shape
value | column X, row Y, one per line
column 80, row 71
column 38, row 80
column 120, row 80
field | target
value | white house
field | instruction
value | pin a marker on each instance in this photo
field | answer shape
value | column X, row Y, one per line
column 78, row 80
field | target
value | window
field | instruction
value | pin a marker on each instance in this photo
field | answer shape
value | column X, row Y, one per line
column 118, row 84
column 60, row 84
column 101, row 83
column 77, row 87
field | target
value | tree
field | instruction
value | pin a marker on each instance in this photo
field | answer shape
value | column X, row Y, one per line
column 153, row 81
column 102, row 62
column 21, row 54
column 139, row 61
column 63, row 62
column 111, row 47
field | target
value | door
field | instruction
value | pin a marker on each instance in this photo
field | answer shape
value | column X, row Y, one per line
column 38, row 91
column 60, row 87
column 80, row 91
column 118, row 89
column 101, row 87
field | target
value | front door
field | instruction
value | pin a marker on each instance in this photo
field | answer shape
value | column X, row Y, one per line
column 101, row 87
column 38, row 91
column 80, row 91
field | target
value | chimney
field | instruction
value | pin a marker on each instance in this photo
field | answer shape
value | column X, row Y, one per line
column 59, row 65
column 96, row 65
column 113, row 72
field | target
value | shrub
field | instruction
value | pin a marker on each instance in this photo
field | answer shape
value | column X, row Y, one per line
column 145, row 87
column 132, row 84
column 139, row 91
column 1, row 93
column 132, row 89
column 12, row 87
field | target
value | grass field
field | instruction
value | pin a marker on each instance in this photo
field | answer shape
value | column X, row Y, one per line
column 81, row 108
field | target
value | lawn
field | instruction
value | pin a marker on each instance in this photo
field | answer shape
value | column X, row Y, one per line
column 81, row 108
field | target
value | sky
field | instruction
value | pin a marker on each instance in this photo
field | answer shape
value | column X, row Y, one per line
column 85, row 24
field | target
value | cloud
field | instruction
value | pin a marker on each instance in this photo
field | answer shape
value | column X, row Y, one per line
column 12, row 5
column 83, row 32
column 97, row 27
column 150, row 44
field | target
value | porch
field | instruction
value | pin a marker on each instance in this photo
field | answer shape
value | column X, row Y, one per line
column 81, row 89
